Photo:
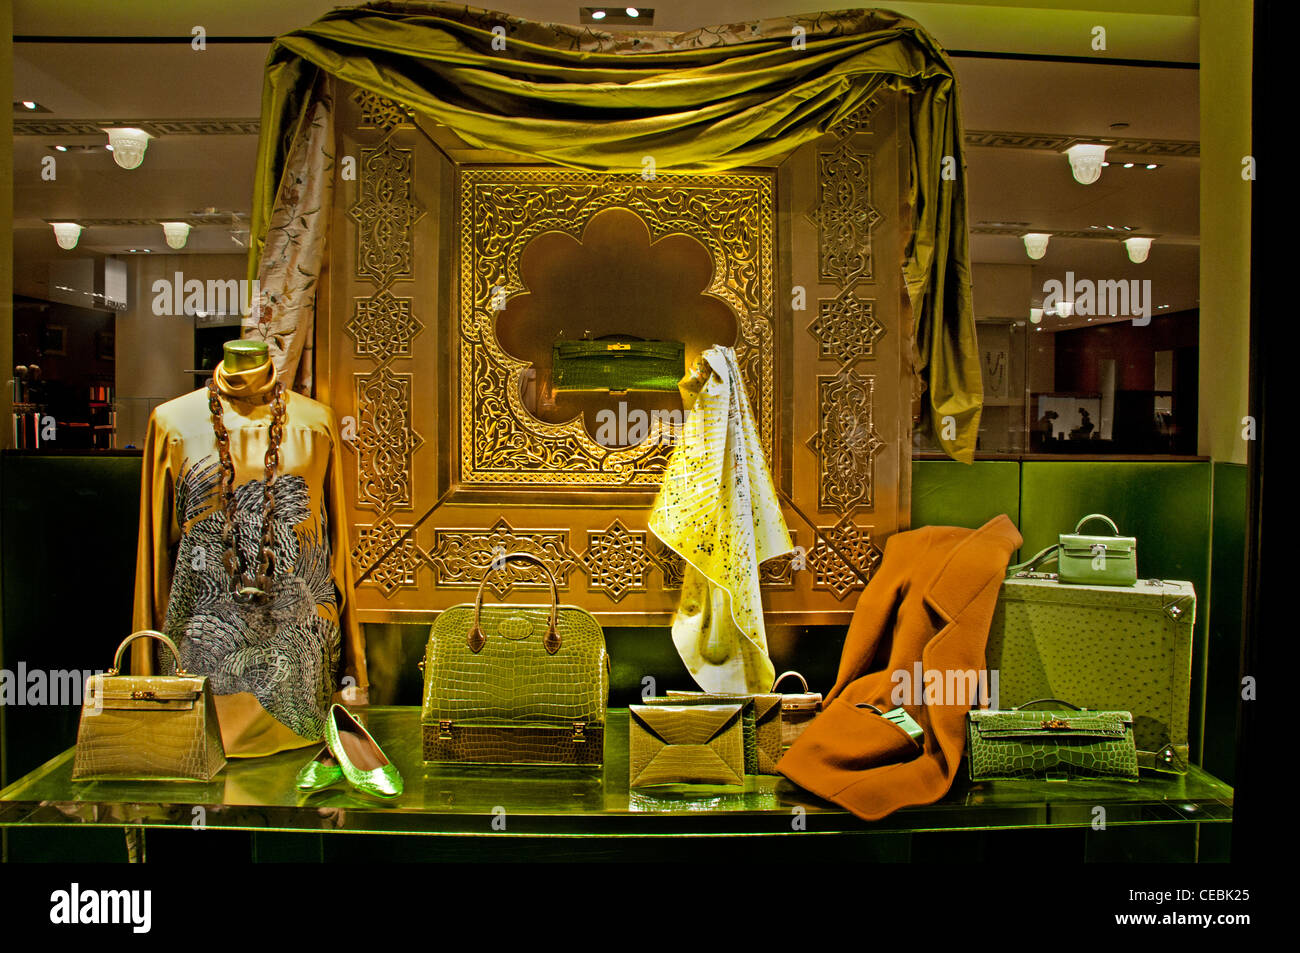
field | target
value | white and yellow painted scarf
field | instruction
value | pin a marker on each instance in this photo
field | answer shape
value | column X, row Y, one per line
column 718, row 510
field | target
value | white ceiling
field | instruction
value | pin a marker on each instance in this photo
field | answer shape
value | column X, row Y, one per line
column 181, row 174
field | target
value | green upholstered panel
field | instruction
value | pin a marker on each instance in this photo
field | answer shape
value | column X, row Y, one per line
column 1227, row 577
column 1165, row 505
column 945, row 493
column 68, row 538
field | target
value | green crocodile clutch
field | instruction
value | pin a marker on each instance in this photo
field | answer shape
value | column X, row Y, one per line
column 762, row 724
column 617, row 363
column 685, row 744
column 1071, row 745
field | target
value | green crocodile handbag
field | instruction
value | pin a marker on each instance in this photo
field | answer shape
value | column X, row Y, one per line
column 515, row 684
column 1071, row 745
column 1084, row 560
column 617, row 362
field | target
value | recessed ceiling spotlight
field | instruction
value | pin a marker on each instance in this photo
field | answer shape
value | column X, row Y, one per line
column 29, row 106
column 139, row 251
column 1153, row 165
column 610, row 16
column 61, row 148
column 1128, row 165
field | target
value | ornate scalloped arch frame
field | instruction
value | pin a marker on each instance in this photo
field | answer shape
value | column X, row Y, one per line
column 500, row 211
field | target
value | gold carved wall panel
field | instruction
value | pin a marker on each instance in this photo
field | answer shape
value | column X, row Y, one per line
column 450, row 462
column 500, row 211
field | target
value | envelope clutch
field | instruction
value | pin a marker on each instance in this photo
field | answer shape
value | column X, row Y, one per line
column 686, row 744
column 761, row 722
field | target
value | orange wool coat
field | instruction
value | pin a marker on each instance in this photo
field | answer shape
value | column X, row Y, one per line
column 930, row 601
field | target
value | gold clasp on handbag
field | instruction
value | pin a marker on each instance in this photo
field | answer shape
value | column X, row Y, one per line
column 444, row 730
column 1056, row 724
column 578, row 737
column 150, row 696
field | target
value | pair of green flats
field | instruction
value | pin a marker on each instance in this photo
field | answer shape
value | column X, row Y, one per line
column 350, row 752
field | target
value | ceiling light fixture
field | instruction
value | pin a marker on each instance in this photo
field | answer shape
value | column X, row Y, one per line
column 1138, row 249
column 1064, row 308
column 28, row 104
column 1036, row 315
column 67, row 234
column 1036, row 244
column 598, row 14
column 176, row 233
column 633, row 12
column 1085, row 162
column 128, row 144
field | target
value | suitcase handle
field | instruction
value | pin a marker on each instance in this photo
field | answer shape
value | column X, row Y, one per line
column 476, row 639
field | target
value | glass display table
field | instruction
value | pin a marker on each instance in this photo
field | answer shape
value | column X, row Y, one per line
column 453, row 800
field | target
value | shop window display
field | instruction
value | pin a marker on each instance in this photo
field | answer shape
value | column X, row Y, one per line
column 570, row 422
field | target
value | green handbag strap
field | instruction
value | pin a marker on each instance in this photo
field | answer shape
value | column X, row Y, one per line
column 1114, row 530
column 1047, row 555
column 476, row 639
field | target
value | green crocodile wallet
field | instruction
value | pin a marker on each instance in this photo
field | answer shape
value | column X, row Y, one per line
column 1069, row 745
column 685, row 744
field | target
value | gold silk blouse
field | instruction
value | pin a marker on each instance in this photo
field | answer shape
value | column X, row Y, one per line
column 273, row 667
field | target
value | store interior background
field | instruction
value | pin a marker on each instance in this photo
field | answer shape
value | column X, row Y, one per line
column 1028, row 77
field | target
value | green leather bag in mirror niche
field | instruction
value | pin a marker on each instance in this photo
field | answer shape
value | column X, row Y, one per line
column 515, row 684
column 617, row 362
column 1071, row 745
column 1085, row 560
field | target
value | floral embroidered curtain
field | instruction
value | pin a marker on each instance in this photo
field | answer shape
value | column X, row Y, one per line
column 711, row 99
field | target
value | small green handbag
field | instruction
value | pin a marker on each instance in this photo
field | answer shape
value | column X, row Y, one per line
column 617, row 362
column 1073, row 745
column 1084, row 560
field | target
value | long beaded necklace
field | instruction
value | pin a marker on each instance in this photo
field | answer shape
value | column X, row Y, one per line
column 248, row 587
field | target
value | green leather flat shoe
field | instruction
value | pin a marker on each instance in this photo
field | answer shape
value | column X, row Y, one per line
column 363, row 763
column 320, row 772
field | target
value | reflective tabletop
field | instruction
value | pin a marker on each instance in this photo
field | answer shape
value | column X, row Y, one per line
column 259, row 794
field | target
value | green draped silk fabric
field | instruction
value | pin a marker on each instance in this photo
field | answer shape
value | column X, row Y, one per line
column 711, row 99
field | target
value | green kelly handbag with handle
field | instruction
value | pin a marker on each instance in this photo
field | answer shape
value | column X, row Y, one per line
column 1084, row 560
column 515, row 684
column 1070, row 745
column 617, row 362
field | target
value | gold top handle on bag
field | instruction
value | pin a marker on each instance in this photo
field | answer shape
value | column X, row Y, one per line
column 784, row 675
column 552, row 642
column 1114, row 530
column 151, row 634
